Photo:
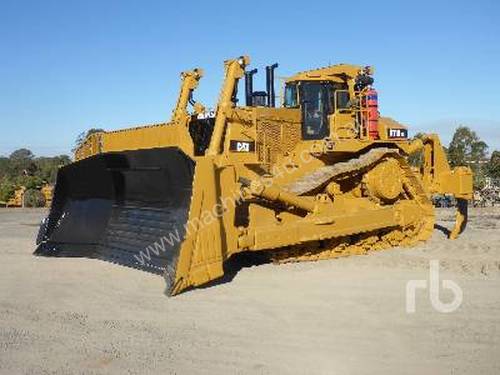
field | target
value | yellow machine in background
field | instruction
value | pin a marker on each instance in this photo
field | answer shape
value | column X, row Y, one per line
column 18, row 199
column 321, row 176
column 47, row 192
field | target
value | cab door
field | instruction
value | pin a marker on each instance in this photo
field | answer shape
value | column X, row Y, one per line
column 314, row 105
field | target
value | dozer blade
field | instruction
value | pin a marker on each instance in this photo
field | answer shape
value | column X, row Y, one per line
column 117, row 206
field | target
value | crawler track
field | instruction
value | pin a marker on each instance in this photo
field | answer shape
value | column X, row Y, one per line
column 361, row 243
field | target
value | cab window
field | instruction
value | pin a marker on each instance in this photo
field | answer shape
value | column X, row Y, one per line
column 291, row 96
column 339, row 96
column 314, row 101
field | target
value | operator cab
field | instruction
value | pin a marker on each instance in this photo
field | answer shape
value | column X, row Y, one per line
column 317, row 100
column 327, row 98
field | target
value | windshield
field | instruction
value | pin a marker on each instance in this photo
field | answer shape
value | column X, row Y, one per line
column 314, row 98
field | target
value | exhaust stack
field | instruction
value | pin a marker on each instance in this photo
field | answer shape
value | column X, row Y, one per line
column 249, row 87
column 271, row 96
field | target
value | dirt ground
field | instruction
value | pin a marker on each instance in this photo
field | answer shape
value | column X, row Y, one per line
column 346, row 316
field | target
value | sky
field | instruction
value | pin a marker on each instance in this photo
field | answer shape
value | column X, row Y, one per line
column 67, row 66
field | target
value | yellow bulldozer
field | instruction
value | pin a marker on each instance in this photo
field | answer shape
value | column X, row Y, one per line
column 17, row 199
column 47, row 190
column 321, row 176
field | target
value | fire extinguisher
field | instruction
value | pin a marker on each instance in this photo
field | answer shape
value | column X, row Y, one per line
column 372, row 113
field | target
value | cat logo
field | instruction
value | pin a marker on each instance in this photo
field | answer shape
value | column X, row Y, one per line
column 397, row 133
column 242, row 146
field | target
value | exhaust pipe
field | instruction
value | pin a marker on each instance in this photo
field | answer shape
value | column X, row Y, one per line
column 249, row 87
column 271, row 96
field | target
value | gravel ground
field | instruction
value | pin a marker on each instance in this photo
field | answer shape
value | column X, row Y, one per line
column 345, row 316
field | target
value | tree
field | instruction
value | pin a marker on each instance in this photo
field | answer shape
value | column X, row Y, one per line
column 22, row 168
column 4, row 166
column 30, row 182
column 466, row 148
column 47, row 167
column 21, row 163
column 83, row 136
column 493, row 167
column 34, row 198
column 7, row 188
column 22, row 154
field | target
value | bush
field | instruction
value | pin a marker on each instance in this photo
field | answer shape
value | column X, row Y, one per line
column 7, row 188
column 34, row 198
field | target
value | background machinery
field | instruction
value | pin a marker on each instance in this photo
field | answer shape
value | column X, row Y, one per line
column 21, row 197
column 488, row 195
column 18, row 198
column 320, row 177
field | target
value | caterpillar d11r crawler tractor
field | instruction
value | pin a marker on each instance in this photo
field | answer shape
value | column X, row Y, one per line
column 320, row 177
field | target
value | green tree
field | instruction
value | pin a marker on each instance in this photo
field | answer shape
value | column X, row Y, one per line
column 30, row 182
column 466, row 148
column 34, row 198
column 22, row 154
column 7, row 188
column 493, row 167
column 22, row 168
column 4, row 166
column 21, row 162
column 48, row 166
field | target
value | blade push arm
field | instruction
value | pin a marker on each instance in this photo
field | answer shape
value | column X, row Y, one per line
column 234, row 70
column 190, row 80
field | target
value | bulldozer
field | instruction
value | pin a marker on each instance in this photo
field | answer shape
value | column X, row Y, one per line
column 320, row 176
column 47, row 190
column 17, row 200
